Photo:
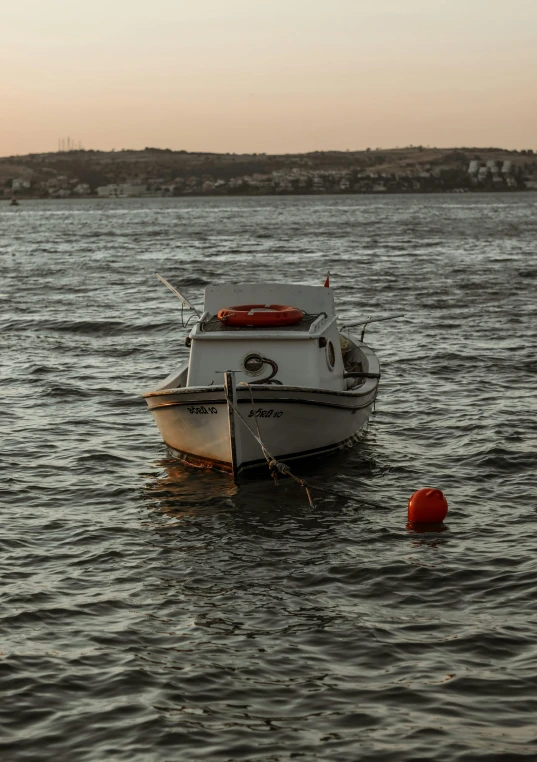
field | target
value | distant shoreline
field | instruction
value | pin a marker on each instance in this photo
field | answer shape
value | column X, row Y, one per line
column 163, row 173
column 475, row 192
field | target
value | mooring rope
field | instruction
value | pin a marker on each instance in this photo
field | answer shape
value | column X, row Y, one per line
column 283, row 468
column 274, row 465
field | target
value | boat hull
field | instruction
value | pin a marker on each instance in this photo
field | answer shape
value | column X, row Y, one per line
column 220, row 427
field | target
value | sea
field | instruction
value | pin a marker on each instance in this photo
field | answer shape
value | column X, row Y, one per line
column 152, row 612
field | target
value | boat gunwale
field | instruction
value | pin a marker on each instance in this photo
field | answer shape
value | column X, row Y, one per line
column 361, row 391
column 274, row 401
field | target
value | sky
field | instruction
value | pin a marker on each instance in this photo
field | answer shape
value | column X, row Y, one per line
column 274, row 76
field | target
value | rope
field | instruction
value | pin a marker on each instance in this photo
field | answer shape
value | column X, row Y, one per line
column 277, row 465
column 266, row 453
column 274, row 465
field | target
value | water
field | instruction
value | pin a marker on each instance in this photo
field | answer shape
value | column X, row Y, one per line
column 154, row 612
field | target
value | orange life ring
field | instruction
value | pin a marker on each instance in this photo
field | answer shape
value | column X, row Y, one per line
column 267, row 315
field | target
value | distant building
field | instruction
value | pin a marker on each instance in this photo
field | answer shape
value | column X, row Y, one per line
column 121, row 190
column 21, row 184
column 107, row 191
column 62, row 181
column 126, row 190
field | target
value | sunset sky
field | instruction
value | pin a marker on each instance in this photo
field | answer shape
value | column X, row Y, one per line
column 267, row 75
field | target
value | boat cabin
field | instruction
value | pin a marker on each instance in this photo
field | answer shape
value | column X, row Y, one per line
column 262, row 348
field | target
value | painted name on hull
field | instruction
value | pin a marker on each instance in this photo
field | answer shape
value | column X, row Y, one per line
column 202, row 410
column 266, row 413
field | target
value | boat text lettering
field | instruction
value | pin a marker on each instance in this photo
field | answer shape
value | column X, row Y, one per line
column 266, row 414
column 202, row 410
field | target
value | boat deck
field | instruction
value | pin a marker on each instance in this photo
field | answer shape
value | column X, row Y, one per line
column 213, row 325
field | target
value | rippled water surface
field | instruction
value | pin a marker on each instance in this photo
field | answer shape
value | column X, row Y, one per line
column 152, row 612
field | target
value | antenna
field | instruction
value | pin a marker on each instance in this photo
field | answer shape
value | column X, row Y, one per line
column 179, row 295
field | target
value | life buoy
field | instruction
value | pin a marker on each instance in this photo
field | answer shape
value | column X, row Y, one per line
column 267, row 315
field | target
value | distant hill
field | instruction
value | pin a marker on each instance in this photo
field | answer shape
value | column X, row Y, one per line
column 156, row 171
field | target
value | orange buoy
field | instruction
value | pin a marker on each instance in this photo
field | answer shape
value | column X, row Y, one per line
column 427, row 506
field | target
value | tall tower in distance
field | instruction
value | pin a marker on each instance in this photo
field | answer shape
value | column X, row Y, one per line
column 69, row 144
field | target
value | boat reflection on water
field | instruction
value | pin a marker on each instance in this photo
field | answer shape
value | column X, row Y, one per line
column 180, row 492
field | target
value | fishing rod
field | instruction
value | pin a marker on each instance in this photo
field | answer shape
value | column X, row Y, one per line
column 184, row 300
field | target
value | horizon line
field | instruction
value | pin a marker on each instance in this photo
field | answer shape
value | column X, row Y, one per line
column 265, row 153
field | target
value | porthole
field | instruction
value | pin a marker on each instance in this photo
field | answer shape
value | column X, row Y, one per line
column 253, row 364
column 330, row 355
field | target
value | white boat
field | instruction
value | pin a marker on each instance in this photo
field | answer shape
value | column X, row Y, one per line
column 253, row 393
